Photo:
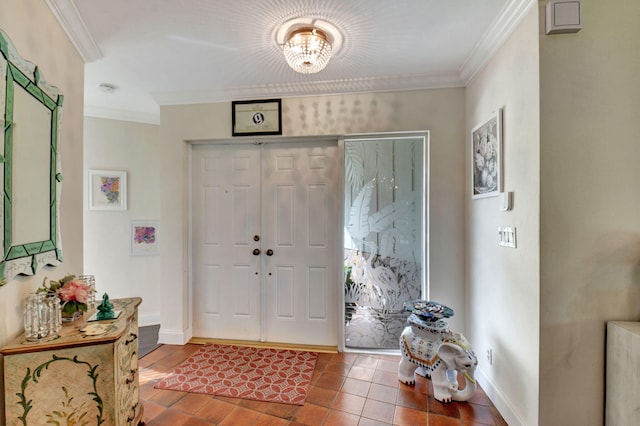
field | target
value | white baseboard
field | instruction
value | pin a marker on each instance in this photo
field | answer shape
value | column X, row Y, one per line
column 173, row 337
column 502, row 404
column 148, row 319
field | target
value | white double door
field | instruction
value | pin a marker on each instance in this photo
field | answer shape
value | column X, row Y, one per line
column 264, row 236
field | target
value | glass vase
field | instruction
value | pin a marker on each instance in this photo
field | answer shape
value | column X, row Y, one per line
column 90, row 280
column 42, row 317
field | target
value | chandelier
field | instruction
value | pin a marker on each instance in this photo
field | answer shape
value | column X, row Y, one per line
column 307, row 50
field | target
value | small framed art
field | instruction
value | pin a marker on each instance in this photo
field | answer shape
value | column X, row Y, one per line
column 107, row 190
column 252, row 118
column 486, row 157
column 144, row 238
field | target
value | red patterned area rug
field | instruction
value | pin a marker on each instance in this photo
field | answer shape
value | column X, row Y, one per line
column 261, row 374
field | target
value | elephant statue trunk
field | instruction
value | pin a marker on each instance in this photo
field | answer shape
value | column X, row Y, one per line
column 441, row 354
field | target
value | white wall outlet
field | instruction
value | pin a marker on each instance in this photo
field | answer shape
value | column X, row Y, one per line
column 507, row 236
column 490, row 356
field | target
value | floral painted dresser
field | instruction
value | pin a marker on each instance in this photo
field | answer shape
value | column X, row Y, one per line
column 82, row 377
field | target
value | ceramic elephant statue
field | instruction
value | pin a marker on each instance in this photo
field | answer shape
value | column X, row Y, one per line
column 441, row 355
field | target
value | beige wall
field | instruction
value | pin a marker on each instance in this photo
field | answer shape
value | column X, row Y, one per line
column 440, row 111
column 133, row 148
column 38, row 38
column 590, row 204
column 502, row 288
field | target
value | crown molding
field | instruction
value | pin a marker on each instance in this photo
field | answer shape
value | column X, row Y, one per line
column 331, row 87
column 69, row 19
column 122, row 115
column 501, row 28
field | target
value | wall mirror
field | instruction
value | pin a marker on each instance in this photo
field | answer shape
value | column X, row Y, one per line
column 30, row 115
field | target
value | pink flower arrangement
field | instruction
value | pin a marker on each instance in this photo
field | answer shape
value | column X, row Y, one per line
column 73, row 293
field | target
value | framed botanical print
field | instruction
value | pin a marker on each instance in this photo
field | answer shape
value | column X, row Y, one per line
column 107, row 190
column 144, row 238
column 486, row 157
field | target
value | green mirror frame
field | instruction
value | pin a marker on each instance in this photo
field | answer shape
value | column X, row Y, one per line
column 15, row 73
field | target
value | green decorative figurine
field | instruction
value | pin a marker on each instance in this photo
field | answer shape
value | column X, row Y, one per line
column 105, row 309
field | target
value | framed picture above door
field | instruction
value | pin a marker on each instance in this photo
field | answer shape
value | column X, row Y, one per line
column 251, row 118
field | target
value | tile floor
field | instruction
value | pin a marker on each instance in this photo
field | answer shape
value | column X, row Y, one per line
column 347, row 389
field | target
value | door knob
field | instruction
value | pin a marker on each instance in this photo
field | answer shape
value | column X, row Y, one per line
column 256, row 238
column 256, row 252
column 269, row 252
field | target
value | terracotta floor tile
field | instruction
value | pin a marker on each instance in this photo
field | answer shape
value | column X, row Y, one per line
column 194, row 421
column 338, row 418
column 349, row 403
column 341, row 368
column 348, row 357
column 321, row 396
column 477, row 413
column 438, row 420
column 370, row 422
column 156, row 355
column 259, row 406
column 330, row 381
column 421, row 386
column 479, row 397
column 310, row 414
column 378, row 410
column 147, row 391
column 284, row 411
column 215, row 411
column 267, row 420
column 408, row 399
column 240, row 416
column 151, row 410
column 171, row 417
column 167, row 398
column 388, row 365
column 409, row 416
column 322, row 362
column 450, row 409
column 192, row 403
column 325, row 358
column 386, row 378
column 229, row 400
column 383, row 393
column 316, row 375
column 366, row 361
column 151, row 375
column 361, row 373
column 356, row 387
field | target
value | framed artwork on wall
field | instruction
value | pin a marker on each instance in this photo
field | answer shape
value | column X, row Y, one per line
column 252, row 118
column 486, row 157
column 107, row 190
column 144, row 238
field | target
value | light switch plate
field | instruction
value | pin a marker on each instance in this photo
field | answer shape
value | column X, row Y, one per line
column 507, row 236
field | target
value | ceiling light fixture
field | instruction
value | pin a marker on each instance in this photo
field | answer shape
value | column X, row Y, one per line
column 307, row 49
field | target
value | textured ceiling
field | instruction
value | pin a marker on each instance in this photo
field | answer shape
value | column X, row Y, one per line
column 162, row 52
